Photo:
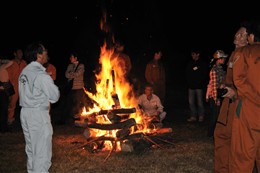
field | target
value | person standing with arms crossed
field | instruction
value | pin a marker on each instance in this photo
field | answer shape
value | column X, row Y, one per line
column 76, row 99
column 36, row 91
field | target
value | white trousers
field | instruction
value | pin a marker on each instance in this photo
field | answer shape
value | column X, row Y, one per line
column 38, row 131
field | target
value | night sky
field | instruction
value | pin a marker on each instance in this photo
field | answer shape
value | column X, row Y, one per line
column 142, row 25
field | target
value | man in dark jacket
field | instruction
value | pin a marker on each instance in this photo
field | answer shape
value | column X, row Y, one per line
column 196, row 75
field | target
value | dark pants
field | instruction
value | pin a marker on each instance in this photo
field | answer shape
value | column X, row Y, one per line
column 196, row 104
column 72, row 104
column 214, row 112
column 4, row 99
column 77, row 101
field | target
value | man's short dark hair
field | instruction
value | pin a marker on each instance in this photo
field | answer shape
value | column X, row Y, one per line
column 148, row 85
column 32, row 50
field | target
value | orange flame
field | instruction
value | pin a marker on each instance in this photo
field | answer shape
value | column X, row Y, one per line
column 111, row 81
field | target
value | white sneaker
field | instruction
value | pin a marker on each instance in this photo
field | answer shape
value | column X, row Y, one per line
column 201, row 118
column 191, row 119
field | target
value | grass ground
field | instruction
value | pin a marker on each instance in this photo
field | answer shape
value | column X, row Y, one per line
column 189, row 151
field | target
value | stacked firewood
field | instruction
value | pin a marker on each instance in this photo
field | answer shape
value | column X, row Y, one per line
column 123, row 125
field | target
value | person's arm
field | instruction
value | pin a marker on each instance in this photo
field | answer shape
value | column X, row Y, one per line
column 213, row 78
column 68, row 73
column 80, row 71
column 240, row 73
column 54, row 73
column 5, row 63
column 159, row 106
column 228, row 83
column 49, row 88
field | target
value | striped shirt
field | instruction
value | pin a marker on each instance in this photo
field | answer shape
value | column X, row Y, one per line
column 77, row 76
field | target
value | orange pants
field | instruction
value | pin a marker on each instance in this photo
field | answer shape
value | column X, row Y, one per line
column 245, row 140
column 12, row 105
column 222, row 136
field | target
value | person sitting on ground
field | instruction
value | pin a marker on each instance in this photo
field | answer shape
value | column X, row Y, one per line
column 151, row 104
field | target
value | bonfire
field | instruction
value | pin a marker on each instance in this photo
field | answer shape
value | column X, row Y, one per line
column 115, row 119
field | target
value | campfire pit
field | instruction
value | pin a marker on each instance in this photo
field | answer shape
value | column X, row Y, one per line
column 128, row 134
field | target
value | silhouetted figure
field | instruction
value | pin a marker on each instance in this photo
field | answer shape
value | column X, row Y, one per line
column 196, row 76
column 155, row 75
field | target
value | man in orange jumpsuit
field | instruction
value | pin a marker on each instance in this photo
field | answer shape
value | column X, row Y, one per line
column 222, row 134
column 245, row 139
column 14, row 72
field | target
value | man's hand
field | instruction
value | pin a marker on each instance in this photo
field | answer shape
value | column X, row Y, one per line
column 230, row 94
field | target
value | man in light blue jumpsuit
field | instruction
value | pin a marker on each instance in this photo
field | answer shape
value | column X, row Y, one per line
column 36, row 91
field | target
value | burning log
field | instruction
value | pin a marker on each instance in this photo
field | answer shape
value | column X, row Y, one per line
column 114, row 118
column 96, row 143
column 162, row 130
column 135, row 136
column 89, row 133
column 118, row 111
column 113, row 80
column 101, row 138
column 116, row 101
column 120, row 134
column 114, row 115
column 115, row 96
column 80, row 123
column 90, row 118
column 120, row 125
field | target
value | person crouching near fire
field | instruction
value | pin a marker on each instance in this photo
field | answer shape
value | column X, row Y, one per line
column 151, row 105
